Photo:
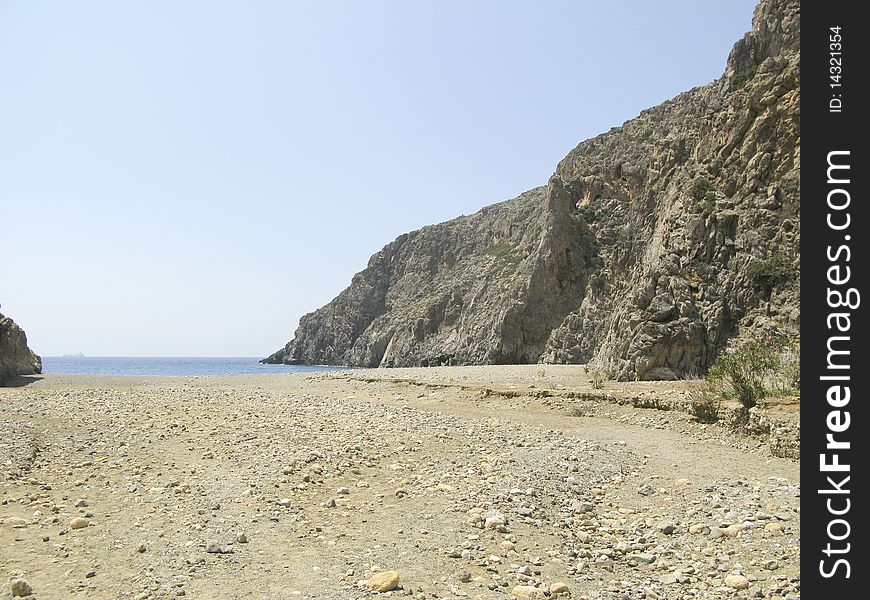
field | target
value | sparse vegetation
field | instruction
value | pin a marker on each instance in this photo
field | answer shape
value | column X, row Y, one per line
column 505, row 252
column 700, row 187
column 767, row 274
column 751, row 372
column 596, row 378
column 705, row 406
column 708, row 204
column 578, row 409
column 787, row 381
column 590, row 215
column 740, row 79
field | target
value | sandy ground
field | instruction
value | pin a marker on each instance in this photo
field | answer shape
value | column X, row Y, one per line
column 468, row 482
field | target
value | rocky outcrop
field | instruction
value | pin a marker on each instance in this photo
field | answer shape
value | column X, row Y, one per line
column 651, row 246
column 15, row 357
column 486, row 288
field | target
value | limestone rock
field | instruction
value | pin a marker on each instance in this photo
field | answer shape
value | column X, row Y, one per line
column 15, row 357
column 738, row 582
column 384, row 581
column 15, row 522
column 559, row 588
column 528, row 592
column 21, row 588
column 643, row 255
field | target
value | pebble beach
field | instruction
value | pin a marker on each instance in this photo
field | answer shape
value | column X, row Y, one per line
column 453, row 482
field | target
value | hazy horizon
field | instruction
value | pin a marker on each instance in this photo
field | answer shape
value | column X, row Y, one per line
column 188, row 179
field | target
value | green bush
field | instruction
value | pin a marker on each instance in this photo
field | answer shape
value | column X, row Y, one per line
column 705, row 406
column 740, row 79
column 742, row 373
column 708, row 204
column 767, row 274
column 590, row 213
column 699, row 188
column 505, row 252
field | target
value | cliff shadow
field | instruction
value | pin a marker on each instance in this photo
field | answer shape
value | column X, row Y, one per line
column 21, row 380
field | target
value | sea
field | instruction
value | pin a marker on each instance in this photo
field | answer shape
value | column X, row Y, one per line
column 168, row 366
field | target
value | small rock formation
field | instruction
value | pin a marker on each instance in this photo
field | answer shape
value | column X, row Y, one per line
column 650, row 248
column 738, row 582
column 15, row 357
column 385, row 581
column 21, row 588
column 528, row 592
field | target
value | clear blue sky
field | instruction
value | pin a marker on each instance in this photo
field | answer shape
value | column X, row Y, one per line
column 187, row 178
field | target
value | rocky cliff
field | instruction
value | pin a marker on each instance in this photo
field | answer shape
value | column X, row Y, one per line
column 15, row 357
column 651, row 246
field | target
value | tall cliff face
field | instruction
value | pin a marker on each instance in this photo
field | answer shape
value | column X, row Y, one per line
column 651, row 246
column 15, row 357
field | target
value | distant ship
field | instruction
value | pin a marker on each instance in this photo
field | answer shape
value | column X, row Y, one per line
column 76, row 355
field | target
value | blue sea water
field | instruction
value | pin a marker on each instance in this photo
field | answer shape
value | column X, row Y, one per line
column 167, row 366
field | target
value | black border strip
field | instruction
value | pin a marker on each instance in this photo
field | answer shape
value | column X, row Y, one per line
column 833, row 262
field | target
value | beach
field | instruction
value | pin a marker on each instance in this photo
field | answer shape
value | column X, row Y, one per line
column 462, row 482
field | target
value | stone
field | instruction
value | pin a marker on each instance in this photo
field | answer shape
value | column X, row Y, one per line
column 528, row 592
column 559, row 587
column 494, row 520
column 644, row 557
column 15, row 522
column 384, row 581
column 21, row 588
column 241, row 538
column 738, row 582
column 699, row 529
column 79, row 523
column 215, row 547
column 668, row 527
column 770, row 565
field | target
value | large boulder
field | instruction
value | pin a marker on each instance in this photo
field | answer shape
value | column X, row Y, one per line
column 15, row 357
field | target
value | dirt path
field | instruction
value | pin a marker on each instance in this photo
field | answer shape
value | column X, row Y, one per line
column 459, row 479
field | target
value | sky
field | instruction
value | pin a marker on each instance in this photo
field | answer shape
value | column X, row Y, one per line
column 188, row 178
